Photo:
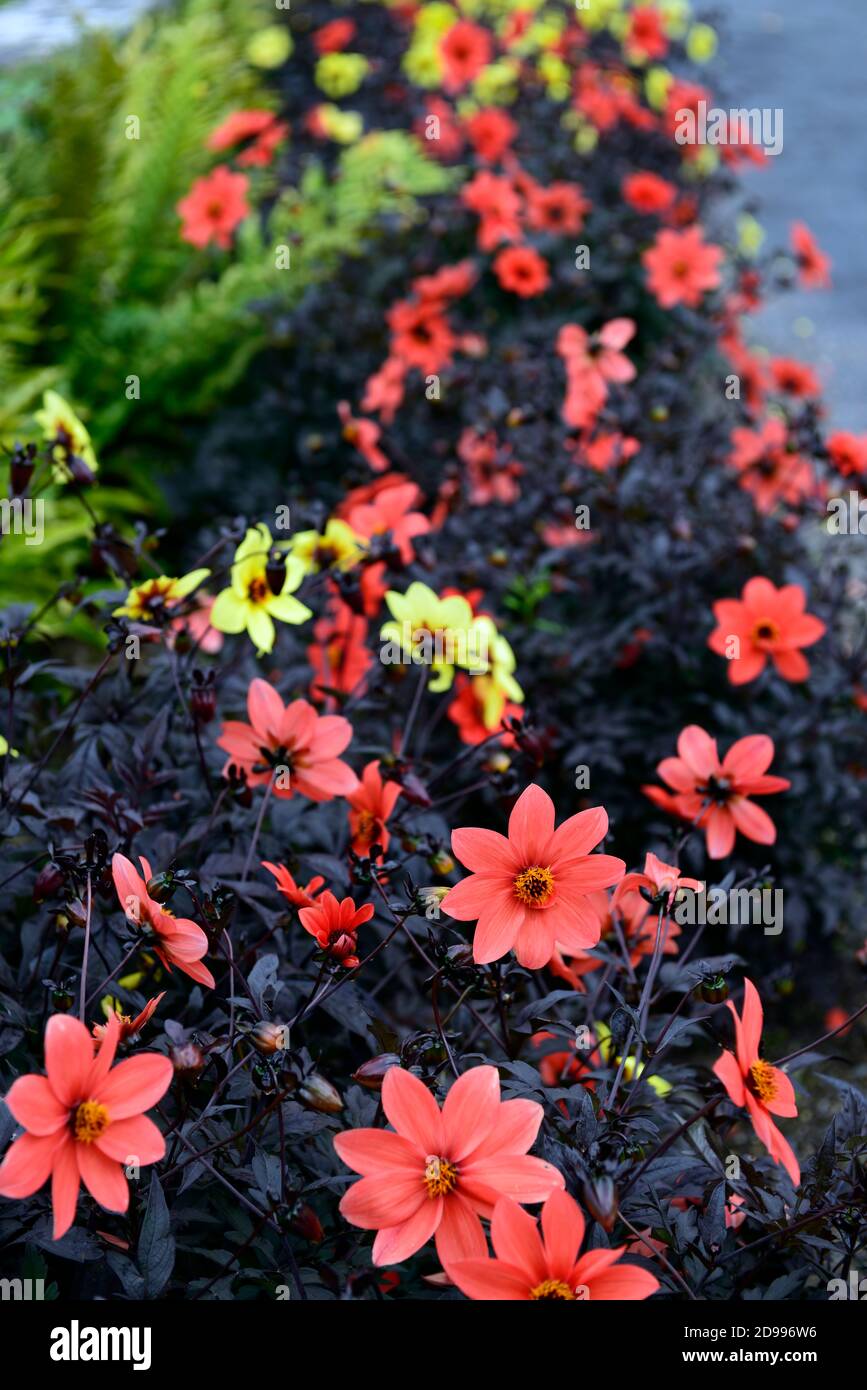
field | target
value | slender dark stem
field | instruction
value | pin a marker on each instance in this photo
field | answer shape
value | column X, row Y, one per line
column 95, row 678
column 423, row 677
column 662, row 1148
column 434, row 999
column 116, row 971
column 255, row 840
column 833, row 1033
column 89, row 901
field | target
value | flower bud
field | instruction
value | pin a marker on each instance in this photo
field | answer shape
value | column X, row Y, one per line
column 187, row 1060
column 713, row 988
column 600, row 1199
column 317, row 1092
column 161, row 887
column 76, row 913
column 269, row 1037
column 372, row 1072
column 21, row 466
column 203, row 697
column 275, row 572
column 49, row 881
column 441, row 863
column 306, row 1223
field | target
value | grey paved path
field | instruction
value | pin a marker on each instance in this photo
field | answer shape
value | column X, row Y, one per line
column 809, row 57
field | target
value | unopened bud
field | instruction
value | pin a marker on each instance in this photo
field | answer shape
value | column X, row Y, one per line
column 275, row 572
column 269, row 1037
column 76, row 913
column 203, row 697
column 21, row 467
column 187, row 1059
column 49, row 881
column 371, row 1073
column 600, row 1199
column 161, row 887
column 441, row 863
column 317, row 1092
column 713, row 988
column 306, row 1223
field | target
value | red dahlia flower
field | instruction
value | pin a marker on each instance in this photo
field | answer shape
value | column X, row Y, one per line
column 83, row 1121
column 529, row 892
column 646, row 34
column 293, row 737
column 497, row 206
column 814, row 267
column 530, row 1266
column 765, row 622
column 848, row 452
column 768, row 469
column 213, row 208
column 438, row 1171
column 491, row 132
column 129, row 1027
column 681, row 267
column 715, row 795
column 335, row 924
column 292, row 891
column 559, row 208
column 465, row 49
column 370, row 806
column 364, row 436
column 752, row 1083
column 662, row 881
column 522, row 270
column 648, row 193
column 177, row 940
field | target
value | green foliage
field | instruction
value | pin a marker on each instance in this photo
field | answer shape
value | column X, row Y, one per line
column 96, row 284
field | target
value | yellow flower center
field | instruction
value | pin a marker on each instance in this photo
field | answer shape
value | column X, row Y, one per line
column 257, row 591
column 763, row 1082
column 534, row 886
column 765, row 631
column 440, row 1177
column 552, row 1288
column 91, row 1121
